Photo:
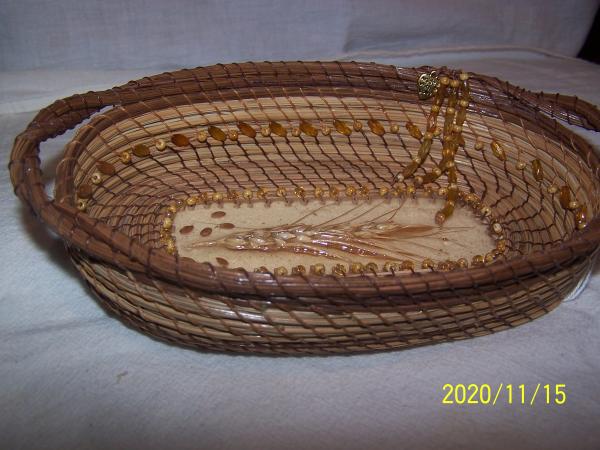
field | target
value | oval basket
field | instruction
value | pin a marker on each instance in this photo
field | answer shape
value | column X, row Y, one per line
column 312, row 131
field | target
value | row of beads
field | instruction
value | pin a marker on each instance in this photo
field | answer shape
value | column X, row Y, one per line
column 333, row 193
column 273, row 128
column 390, row 266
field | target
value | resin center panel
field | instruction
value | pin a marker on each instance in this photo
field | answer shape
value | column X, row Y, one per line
column 329, row 236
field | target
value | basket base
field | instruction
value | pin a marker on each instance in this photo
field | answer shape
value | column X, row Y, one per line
column 217, row 323
column 351, row 234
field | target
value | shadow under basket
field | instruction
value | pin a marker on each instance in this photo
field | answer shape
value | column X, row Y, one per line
column 315, row 208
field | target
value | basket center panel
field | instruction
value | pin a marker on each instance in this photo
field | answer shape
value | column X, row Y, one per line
column 293, row 155
column 326, row 236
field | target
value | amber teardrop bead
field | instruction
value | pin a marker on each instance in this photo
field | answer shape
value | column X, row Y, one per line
column 537, row 169
column 246, row 130
column 106, row 168
column 217, row 134
column 414, row 130
column 308, row 129
column 564, row 196
column 278, row 129
column 141, row 151
column 180, row 140
column 85, row 191
column 342, row 128
column 498, row 151
column 376, row 127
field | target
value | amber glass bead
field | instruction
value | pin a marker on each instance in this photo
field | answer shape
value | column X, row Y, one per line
column 498, row 151
column 170, row 247
column 278, row 129
column 141, row 150
column 376, row 127
column 356, row 267
column 427, row 264
column 280, row 271
column 246, row 130
column 317, row 269
column 342, row 128
column 461, row 116
column 477, row 260
column 261, row 192
column 414, row 130
column 501, row 245
column 581, row 217
column 179, row 140
column 537, row 170
column 298, row 270
column 371, row 267
column 85, row 191
column 106, row 168
column 564, row 196
column 391, row 267
column 217, row 134
column 407, row 265
column 339, row 269
column 125, row 157
column 308, row 129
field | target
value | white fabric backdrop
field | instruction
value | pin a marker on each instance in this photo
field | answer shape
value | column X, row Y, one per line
column 73, row 377
column 125, row 34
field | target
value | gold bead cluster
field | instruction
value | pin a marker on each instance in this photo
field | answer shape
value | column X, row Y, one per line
column 456, row 94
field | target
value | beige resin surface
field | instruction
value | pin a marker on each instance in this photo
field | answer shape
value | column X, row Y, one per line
column 305, row 233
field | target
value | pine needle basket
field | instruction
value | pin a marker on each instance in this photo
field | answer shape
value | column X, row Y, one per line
column 300, row 131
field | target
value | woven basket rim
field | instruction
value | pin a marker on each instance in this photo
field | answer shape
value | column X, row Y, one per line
column 76, row 227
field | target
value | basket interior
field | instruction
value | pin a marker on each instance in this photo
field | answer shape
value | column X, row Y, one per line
column 361, row 166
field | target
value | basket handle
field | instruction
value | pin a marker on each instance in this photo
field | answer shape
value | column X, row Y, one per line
column 567, row 108
column 76, row 228
column 52, row 121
